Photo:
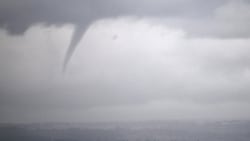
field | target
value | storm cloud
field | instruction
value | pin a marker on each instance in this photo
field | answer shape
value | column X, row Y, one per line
column 18, row 16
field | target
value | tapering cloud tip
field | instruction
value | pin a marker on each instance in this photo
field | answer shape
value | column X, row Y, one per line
column 65, row 63
column 75, row 39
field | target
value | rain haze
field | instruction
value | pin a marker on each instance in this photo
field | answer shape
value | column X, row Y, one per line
column 124, row 60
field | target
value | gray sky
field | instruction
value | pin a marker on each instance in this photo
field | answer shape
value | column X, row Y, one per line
column 138, row 60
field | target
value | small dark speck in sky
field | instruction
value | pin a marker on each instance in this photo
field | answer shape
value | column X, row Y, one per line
column 115, row 37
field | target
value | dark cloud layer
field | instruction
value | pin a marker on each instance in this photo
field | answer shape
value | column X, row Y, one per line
column 17, row 16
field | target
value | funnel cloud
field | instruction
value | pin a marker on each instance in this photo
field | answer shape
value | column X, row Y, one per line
column 76, row 37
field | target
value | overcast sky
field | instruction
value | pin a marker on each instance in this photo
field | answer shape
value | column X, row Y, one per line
column 135, row 60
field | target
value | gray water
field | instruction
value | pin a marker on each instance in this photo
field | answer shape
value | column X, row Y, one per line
column 128, row 131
